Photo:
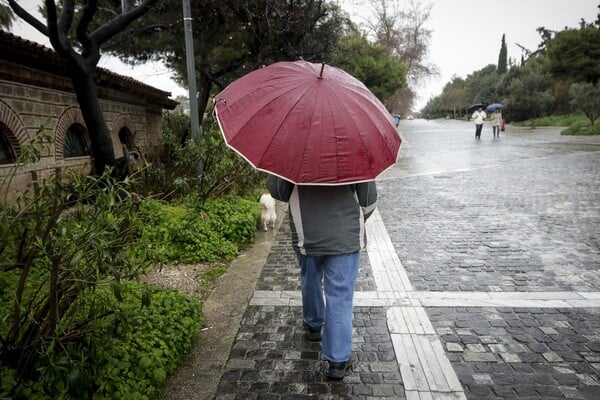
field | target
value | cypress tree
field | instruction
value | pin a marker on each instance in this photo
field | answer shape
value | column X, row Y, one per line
column 502, row 60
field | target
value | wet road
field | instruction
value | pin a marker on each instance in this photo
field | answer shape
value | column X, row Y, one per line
column 439, row 146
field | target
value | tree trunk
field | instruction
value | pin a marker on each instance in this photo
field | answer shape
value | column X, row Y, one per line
column 204, row 87
column 103, row 154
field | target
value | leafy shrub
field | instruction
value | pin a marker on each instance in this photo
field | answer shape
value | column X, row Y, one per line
column 582, row 129
column 125, row 356
column 72, row 325
column 60, row 242
column 207, row 169
column 586, row 97
column 148, row 345
column 190, row 232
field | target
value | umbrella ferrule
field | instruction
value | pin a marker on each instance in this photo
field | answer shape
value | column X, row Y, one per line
column 322, row 68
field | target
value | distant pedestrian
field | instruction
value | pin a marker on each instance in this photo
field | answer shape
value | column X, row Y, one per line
column 328, row 231
column 496, row 123
column 478, row 116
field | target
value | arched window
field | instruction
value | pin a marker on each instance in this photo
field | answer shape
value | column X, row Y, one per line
column 126, row 138
column 7, row 153
column 76, row 142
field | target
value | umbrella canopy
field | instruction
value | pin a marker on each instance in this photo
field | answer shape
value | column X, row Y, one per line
column 494, row 107
column 475, row 107
column 308, row 123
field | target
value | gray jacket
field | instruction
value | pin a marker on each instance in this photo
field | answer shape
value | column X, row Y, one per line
column 326, row 220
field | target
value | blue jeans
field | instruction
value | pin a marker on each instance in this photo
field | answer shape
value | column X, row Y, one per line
column 478, row 128
column 496, row 130
column 335, row 276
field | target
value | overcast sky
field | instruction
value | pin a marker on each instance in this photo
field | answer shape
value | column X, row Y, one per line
column 466, row 36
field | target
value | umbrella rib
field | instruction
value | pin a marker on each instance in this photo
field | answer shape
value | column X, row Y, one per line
column 291, row 89
column 308, row 136
column 300, row 97
column 361, row 118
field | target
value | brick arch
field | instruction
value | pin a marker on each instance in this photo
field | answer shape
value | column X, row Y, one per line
column 17, row 135
column 70, row 116
column 123, row 121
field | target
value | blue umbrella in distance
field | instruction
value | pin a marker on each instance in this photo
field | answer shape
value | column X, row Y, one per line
column 493, row 107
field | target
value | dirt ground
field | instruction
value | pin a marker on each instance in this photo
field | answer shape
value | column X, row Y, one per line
column 187, row 278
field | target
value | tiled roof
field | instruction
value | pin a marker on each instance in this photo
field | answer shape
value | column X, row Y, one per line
column 34, row 55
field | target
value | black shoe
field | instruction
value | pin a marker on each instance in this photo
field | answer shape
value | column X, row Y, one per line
column 337, row 370
column 313, row 334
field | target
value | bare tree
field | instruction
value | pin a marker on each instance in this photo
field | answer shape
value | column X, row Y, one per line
column 404, row 31
column 401, row 102
column 77, row 37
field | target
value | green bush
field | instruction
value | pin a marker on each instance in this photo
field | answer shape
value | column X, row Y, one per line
column 582, row 129
column 188, row 231
column 205, row 169
column 61, row 241
column 126, row 356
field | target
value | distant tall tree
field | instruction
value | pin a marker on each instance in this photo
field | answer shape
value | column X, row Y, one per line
column 77, row 36
column 454, row 96
column 480, row 86
column 401, row 102
column 502, row 57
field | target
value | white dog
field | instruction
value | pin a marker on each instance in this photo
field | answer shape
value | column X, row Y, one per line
column 268, row 214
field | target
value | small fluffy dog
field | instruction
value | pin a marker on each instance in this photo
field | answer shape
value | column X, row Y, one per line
column 268, row 215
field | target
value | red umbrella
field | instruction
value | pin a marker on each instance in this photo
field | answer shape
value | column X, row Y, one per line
column 308, row 123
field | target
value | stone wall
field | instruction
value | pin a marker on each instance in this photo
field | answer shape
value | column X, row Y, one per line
column 32, row 99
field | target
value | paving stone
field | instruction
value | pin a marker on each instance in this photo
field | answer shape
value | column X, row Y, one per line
column 522, row 371
column 516, row 238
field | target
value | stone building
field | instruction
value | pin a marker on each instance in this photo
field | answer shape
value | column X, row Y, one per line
column 36, row 93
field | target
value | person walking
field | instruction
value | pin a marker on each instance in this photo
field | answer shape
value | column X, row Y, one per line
column 328, row 230
column 478, row 116
column 496, row 122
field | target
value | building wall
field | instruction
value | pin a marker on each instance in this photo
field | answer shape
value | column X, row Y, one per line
column 46, row 100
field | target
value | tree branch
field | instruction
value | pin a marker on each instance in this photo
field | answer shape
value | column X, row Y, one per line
column 30, row 19
column 59, row 42
column 115, row 26
column 86, row 18
column 66, row 19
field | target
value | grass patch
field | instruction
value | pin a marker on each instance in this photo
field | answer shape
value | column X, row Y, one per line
column 579, row 129
column 210, row 276
column 555, row 120
column 577, row 125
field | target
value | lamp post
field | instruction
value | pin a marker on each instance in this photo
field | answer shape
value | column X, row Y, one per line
column 191, row 70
